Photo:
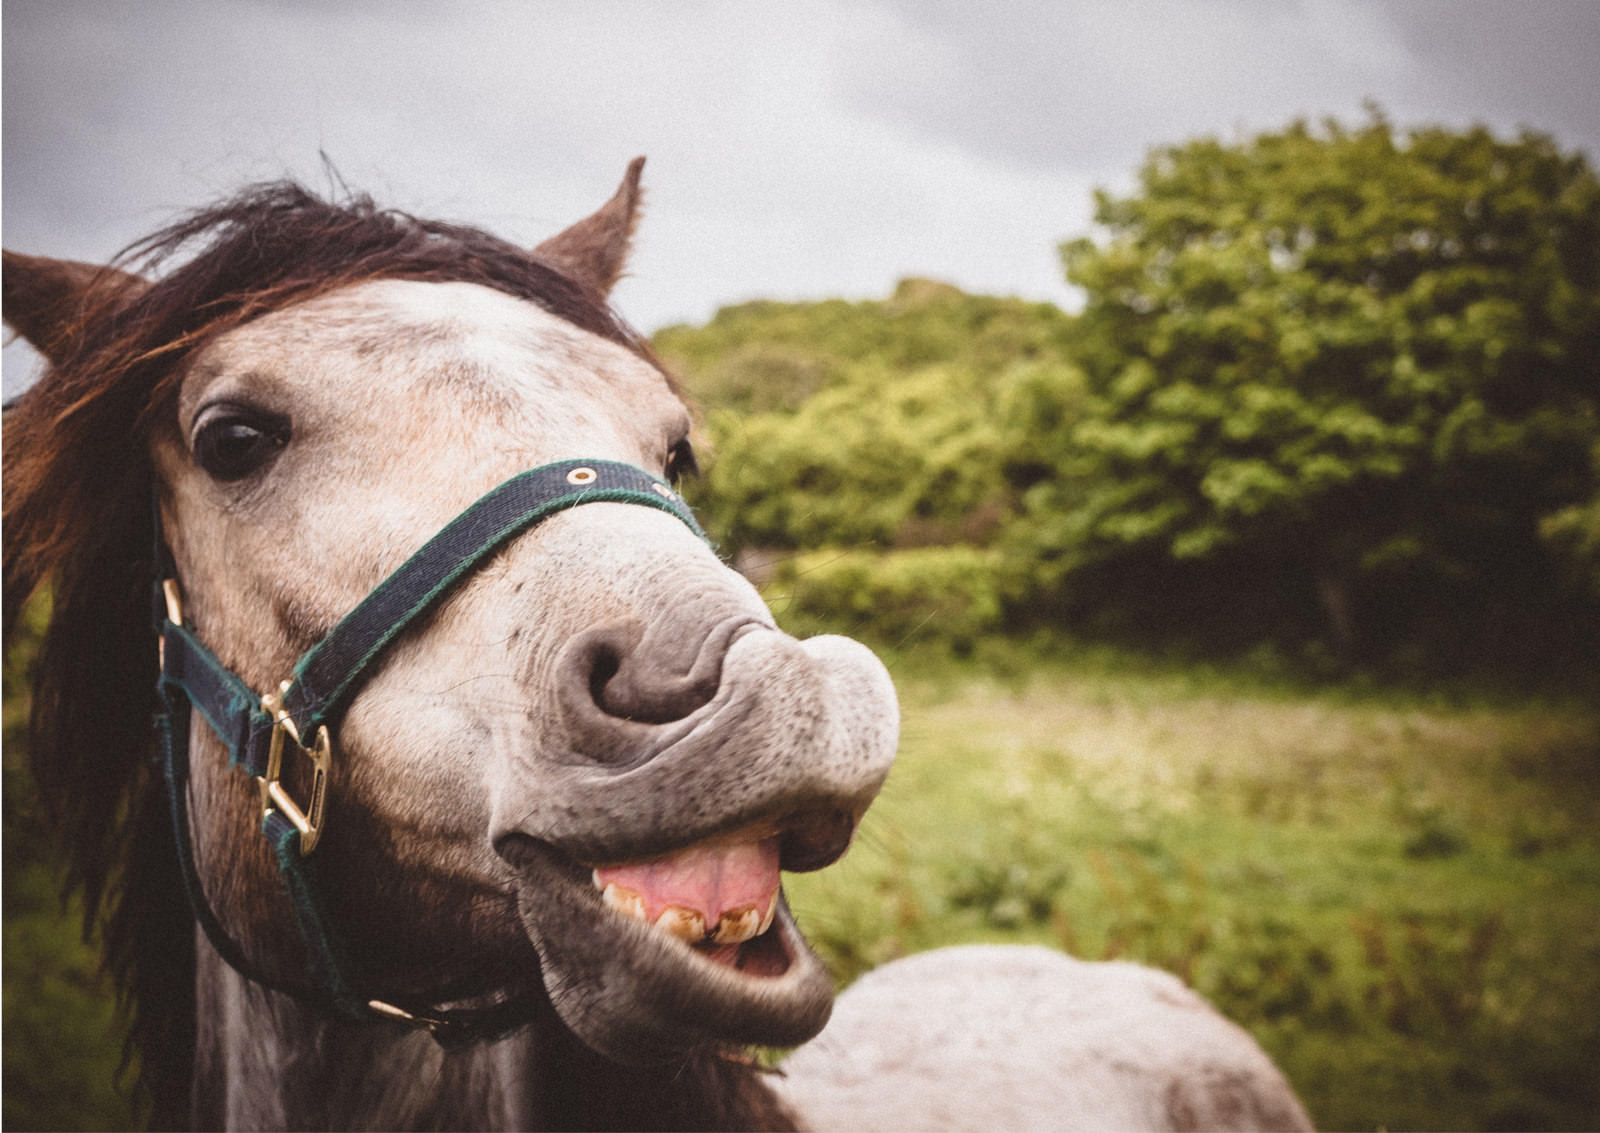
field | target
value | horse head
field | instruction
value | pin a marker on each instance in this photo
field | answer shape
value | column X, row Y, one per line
column 570, row 781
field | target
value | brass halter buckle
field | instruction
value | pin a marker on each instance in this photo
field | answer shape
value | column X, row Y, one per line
column 274, row 795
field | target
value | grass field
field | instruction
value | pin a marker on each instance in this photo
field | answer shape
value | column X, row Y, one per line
column 1398, row 895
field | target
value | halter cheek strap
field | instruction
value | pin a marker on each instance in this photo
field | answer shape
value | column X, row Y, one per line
column 298, row 718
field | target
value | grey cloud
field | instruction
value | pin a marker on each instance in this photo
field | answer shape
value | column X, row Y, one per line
column 795, row 150
column 1053, row 85
column 1512, row 63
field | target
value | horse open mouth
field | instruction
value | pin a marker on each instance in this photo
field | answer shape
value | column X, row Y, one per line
column 649, row 958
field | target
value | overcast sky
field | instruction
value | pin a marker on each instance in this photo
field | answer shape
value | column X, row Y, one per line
column 796, row 150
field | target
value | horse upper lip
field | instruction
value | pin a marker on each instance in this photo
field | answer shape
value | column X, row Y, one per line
column 794, row 729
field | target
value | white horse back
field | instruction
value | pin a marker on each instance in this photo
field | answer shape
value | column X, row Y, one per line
column 1017, row 1038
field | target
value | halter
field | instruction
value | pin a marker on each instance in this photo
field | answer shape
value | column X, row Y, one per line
column 298, row 718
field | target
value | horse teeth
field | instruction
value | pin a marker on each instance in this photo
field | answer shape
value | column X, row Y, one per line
column 735, row 926
column 738, row 926
column 686, row 924
column 624, row 901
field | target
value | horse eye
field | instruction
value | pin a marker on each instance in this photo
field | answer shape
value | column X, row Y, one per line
column 681, row 462
column 233, row 444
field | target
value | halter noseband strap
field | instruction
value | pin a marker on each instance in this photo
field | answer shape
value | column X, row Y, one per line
column 260, row 730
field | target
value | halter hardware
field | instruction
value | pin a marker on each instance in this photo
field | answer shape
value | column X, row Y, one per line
column 173, row 598
column 259, row 730
column 274, row 795
column 406, row 1018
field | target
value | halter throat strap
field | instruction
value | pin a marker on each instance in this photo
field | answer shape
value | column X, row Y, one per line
column 260, row 729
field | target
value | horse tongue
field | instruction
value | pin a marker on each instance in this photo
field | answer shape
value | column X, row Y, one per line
column 710, row 879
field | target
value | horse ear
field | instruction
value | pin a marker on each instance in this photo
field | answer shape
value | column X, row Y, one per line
column 595, row 250
column 50, row 302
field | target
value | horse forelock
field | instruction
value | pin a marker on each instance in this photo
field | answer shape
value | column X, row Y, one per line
column 78, row 517
column 271, row 246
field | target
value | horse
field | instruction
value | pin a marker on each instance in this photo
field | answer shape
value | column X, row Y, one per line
column 420, row 760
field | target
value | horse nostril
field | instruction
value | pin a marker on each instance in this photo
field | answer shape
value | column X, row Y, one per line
column 639, row 688
column 649, row 674
column 605, row 665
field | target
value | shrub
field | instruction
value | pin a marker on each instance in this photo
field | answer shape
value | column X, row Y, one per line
column 950, row 595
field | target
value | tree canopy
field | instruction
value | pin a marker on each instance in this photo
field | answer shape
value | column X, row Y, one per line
column 1368, row 358
column 1334, row 388
column 872, row 424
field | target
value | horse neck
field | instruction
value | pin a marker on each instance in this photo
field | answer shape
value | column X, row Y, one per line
column 266, row 1061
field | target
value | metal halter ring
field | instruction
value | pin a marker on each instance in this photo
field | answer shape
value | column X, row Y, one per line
column 579, row 477
column 274, row 795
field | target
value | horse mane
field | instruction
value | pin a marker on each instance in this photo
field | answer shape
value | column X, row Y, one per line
column 78, row 487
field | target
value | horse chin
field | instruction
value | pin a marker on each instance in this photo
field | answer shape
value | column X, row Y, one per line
column 640, row 996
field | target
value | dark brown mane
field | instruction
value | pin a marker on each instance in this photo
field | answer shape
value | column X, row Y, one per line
column 77, row 515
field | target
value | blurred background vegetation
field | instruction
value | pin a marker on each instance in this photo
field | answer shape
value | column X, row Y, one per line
column 1332, row 398
column 1247, row 621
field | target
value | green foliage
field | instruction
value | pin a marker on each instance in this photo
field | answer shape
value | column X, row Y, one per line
column 1335, row 395
column 62, row 1033
column 931, row 595
column 1573, row 537
column 885, row 424
column 802, row 347
column 1370, row 359
column 885, row 460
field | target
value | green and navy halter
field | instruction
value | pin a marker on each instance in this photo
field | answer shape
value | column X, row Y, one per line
column 301, row 715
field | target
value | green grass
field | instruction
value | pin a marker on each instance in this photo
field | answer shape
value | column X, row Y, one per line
column 62, row 1047
column 1399, row 896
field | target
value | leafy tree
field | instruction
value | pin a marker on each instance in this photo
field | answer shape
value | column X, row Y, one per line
column 876, row 424
column 767, row 355
column 1573, row 535
column 891, row 459
column 1363, row 360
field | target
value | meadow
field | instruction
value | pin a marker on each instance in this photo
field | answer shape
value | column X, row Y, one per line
column 1397, row 894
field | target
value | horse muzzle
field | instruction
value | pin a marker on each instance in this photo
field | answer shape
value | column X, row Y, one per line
column 647, row 854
